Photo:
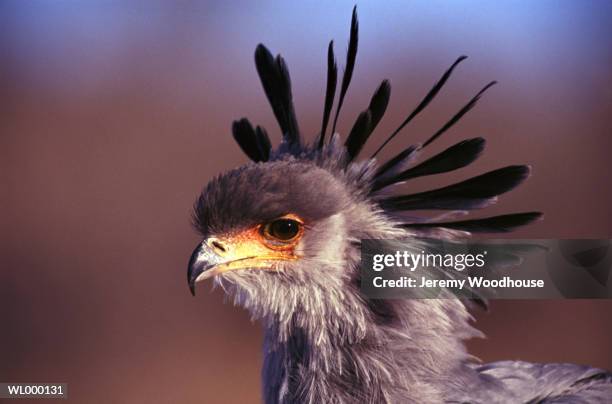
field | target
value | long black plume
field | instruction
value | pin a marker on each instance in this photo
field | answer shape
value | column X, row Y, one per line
column 361, row 132
column 430, row 96
column 473, row 193
column 379, row 102
column 395, row 164
column 263, row 142
column 453, row 158
column 254, row 143
column 276, row 82
column 459, row 114
column 493, row 224
column 330, row 92
column 351, row 56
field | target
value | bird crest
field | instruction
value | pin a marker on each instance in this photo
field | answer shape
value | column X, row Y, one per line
column 473, row 193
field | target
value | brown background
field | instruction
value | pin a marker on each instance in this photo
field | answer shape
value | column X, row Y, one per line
column 114, row 116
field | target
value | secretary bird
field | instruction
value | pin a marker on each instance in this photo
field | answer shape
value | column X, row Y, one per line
column 281, row 235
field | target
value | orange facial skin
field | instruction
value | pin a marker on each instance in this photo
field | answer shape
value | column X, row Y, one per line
column 254, row 248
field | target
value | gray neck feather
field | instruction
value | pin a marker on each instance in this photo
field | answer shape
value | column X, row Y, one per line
column 397, row 351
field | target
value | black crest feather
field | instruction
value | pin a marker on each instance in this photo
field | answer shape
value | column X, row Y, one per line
column 453, row 158
column 379, row 102
column 359, row 134
column 493, row 224
column 391, row 166
column 473, row 193
column 424, row 102
column 330, row 92
column 263, row 142
column 362, row 129
column 276, row 82
column 254, row 143
column 351, row 56
column 459, row 114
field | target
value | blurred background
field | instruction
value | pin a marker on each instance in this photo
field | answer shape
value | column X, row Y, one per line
column 115, row 114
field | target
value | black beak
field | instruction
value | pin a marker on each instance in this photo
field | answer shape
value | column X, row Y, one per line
column 193, row 270
column 203, row 259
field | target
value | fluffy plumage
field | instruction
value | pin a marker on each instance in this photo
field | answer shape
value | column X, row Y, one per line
column 324, row 340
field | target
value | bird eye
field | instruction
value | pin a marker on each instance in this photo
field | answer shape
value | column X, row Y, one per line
column 283, row 229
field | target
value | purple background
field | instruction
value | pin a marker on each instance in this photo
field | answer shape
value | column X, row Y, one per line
column 115, row 114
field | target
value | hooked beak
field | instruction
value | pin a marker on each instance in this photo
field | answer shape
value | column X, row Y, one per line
column 216, row 256
column 202, row 261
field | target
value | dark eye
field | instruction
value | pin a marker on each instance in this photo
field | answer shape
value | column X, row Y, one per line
column 282, row 229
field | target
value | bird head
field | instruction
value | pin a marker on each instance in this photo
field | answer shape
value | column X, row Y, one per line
column 282, row 233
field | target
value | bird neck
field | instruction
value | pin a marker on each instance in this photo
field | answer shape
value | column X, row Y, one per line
column 389, row 349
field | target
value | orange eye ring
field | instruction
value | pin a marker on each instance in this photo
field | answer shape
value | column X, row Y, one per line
column 283, row 231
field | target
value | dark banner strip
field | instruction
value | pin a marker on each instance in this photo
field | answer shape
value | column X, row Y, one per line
column 486, row 269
